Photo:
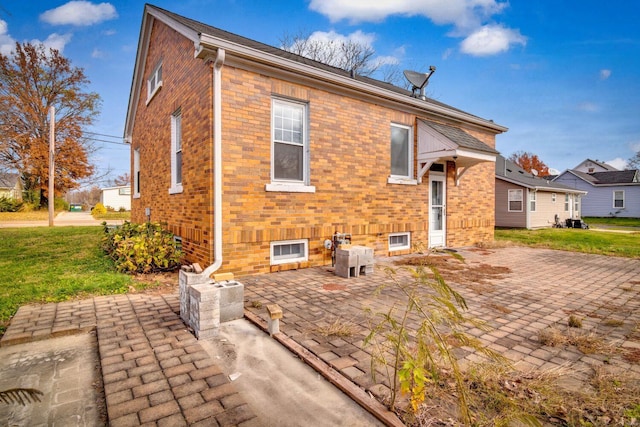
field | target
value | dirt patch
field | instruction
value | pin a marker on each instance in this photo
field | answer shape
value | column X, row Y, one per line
column 477, row 277
column 155, row 283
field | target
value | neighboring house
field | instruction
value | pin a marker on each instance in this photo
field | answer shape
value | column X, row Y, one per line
column 610, row 193
column 116, row 197
column 524, row 200
column 11, row 186
column 591, row 166
column 254, row 156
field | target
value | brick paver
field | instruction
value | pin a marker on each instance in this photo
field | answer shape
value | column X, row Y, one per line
column 541, row 289
column 154, row 370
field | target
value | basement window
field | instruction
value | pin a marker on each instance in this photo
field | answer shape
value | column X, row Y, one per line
column 399, row 241
column 287, row 251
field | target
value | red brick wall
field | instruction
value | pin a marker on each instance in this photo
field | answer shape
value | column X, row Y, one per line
column 349, row 164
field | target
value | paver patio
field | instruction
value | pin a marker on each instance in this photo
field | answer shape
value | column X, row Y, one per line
column 538, row 288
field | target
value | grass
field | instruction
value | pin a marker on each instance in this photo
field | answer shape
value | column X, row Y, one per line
column 42, row 215
column 41, row 265
column 576, row 240
column 621, row 222
column 113, row 215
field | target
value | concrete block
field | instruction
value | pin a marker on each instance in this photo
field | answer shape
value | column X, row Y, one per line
column 185, row 280
column 231, row 300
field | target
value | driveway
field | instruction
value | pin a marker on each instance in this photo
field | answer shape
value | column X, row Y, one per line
column 517, row 291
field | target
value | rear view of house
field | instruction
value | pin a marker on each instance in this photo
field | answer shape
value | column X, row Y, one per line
column 254, row 156
column 10, row 186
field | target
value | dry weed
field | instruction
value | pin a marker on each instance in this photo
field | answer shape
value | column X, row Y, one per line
column 337, row 328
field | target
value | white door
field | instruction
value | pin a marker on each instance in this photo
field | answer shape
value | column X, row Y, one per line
column 437, row 211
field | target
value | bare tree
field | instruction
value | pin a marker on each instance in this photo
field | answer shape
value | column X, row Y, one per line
column 634, row 162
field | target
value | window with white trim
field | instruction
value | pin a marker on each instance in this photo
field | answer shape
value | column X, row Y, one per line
column 154, row 82
column 553, row 197
column 515, row 200
column 288, row 251
column 126, row 191
column 401, row 151
column 618, row 199
column 289, row 142
column 566, row 203
column 176, row 152
column 532, row 200
column 399, row 241
column 136, row 173
column 576, row 203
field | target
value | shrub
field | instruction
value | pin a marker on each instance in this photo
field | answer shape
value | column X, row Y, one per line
column 122, row 209
column 9, row 205
column 141, row 248
column 60, row 204
column 98, row 209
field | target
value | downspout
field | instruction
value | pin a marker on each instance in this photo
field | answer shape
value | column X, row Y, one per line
column 216, row 99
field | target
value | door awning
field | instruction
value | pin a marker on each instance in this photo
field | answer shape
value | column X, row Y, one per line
column 438, row 143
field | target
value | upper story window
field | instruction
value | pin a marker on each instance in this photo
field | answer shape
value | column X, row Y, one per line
column 289, row 147
column 136, row 173
column 154, row 82
column 618, row 199
column 553, row 197
column 515, row 200
column 176, row 152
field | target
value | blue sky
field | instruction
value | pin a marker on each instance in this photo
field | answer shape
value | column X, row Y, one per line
column 563, row 76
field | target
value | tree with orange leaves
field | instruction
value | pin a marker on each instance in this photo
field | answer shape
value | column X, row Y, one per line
column 32, row 79
column 529, row 162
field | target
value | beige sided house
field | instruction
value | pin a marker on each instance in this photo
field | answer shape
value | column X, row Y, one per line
column 524, row 200
column 254, row 156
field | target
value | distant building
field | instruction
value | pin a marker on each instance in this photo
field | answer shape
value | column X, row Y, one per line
column 11, row 186
column 116, row 197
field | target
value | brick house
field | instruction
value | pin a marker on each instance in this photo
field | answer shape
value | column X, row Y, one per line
column 254, row 156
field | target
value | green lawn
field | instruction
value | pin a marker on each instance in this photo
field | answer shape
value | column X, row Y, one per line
column 577, row 240
column 42, row 264
column 113, row 215
column 609, row 221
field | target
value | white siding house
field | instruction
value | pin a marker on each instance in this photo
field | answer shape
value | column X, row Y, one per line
column 116, row 197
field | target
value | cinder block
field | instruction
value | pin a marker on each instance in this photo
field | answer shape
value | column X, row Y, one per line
column 231, row 300
column 186, row 280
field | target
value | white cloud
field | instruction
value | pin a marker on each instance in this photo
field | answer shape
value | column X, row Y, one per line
column 490, row 40
column 55, row 41
column 97, row 53
column 605, row 74
column 359, row 37
column 80, row 13
column 467, row 17
column 7, row 43
column 618, row 163
column 461, row 13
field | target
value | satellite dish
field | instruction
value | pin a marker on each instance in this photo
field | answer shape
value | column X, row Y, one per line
column 419, row 81
column 534, row 172
column 553, row 171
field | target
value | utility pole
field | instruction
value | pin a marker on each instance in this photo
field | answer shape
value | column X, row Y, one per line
column 52, row 149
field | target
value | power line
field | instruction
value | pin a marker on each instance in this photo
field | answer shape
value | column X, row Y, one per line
column 104, row 134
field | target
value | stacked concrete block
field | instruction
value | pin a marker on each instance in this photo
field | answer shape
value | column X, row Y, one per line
column 204, row 310
column 352, row 261
column 231, row 300
column 186, row 280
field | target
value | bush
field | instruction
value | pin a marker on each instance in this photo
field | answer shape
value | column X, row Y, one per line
column 9, row 205
column 60, row 205
column 98, row 209
column 141, row 248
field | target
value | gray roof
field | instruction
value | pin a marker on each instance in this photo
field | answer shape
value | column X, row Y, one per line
column 8, row 180
column 509, row 171
column 460, row 137
column 603, row 165
column 201, row 28
column 610, row 177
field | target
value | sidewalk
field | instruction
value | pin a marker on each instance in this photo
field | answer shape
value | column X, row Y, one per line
column 62, row 219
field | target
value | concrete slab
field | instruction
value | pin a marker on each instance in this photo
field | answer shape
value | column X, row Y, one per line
column 268, row 370
column 66, row 371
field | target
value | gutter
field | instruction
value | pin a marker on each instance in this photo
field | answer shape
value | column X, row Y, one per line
column 216, row 100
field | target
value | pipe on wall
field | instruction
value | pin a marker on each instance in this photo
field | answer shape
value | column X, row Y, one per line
column 216, row 99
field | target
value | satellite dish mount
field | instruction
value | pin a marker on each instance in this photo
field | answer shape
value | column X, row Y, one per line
column 419, row 81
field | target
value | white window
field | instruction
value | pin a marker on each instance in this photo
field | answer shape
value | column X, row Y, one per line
column 401, row 152
column 399, row 241
column 515, row 200
column 154, row 82
column 289, row 251
column 176, row 152
column 124, row 191
column 566, row 203
column 576, row 203
column 553, row 197
column 618, row 199
column 532, row 201
column 290, row 147
column 136, row 173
